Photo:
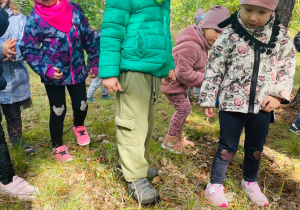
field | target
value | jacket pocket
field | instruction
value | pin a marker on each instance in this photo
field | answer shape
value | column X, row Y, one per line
column 140, row 45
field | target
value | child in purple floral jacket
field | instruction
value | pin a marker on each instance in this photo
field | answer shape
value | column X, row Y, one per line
column 251, row 65
column 56, row 33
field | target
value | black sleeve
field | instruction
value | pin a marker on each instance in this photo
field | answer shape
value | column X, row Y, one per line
column 297, row 42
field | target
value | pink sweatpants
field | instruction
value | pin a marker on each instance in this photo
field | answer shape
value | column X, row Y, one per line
column 182, row 105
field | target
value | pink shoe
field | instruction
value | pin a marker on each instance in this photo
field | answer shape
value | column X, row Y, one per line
column 254, row 193
column 174, row 144
column 82, row 136
column 61, row 154
column 19, row 188
column 186, row 142
column 215, row 194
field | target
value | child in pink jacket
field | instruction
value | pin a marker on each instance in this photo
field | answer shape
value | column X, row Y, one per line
column 190, row 55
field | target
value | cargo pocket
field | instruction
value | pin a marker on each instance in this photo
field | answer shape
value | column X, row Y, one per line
column 125, row 122
column 125, row 128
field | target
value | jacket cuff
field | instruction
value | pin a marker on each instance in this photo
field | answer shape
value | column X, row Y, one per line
column 95, row 70
column 50, row 72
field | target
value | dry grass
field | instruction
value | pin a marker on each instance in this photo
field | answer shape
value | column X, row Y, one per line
column 91, row 181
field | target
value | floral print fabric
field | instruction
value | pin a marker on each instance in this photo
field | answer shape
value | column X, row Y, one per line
column 230, row 67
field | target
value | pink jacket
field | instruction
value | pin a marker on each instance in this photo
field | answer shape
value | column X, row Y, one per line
column 190, row 55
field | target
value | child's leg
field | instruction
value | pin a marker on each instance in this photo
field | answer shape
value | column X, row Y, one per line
column 104, row 91
column 183, row 107
column 6, row 169
column 14, row 123
column 79, row 102
column 297, row 122
column 13, row 118
column 57, row 101
column 96, row 82
column 196, row 92
column 256, row 131
column 132, row 120
column 231, row 127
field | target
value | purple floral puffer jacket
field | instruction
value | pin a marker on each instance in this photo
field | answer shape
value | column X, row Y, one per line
column 44, row 47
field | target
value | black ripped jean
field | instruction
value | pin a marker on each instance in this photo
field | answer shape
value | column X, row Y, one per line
column 58, row 107
column 231, row 127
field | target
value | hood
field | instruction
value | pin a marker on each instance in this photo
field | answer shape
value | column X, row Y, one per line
column 191, row 34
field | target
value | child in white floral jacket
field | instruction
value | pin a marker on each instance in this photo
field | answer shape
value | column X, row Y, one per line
column 251, row 65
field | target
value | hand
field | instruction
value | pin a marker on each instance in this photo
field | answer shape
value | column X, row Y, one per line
column 171, row 76
column 93, row 75
column 271, row 103
column 58, row 74
column 209, row 111
column 112, row 84
column 9, row 49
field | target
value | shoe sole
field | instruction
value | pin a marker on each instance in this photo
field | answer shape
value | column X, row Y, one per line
column 294, row 132
column 66, row 160
column 84, row 143
column 151, row 201
column 169, row 149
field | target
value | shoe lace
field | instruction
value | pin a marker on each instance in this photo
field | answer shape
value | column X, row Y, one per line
column 218, row 189
column 81, row 130
column 81, row 133
column 253, row 187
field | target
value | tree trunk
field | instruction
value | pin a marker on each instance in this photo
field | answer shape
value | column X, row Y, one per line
column 284, row 10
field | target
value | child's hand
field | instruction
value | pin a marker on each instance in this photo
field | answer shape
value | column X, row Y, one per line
column 270, row 103
column 112, row 84
column 94, row 75
column 171, row 76
column 58, row 74
column 9, row 49
column 209, row 111
column 94, row 72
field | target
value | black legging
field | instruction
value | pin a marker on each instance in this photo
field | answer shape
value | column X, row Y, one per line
column 57, row 101
column 6, row 170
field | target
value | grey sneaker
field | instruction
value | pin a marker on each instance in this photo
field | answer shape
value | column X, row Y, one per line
column 151, row 173
column 143, row 192
column 295, row 129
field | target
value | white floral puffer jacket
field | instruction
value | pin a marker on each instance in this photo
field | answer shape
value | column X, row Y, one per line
column 229, row 70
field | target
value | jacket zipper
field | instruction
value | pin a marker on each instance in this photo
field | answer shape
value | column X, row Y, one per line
column 254, row 79
column 71, row 66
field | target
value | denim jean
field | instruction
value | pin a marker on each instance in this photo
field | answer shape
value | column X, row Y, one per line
column 231, row 126
column 297, row 122
column 96, row 82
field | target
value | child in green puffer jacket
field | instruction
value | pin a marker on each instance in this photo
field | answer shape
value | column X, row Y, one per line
column 135, row 53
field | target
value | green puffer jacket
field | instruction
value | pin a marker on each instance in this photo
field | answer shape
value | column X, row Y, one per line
column 136, row 37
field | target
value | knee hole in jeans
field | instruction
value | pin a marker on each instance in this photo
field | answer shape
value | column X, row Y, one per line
column 226, row 155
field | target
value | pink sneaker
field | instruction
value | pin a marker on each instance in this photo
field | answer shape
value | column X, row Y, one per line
column 61, row 154
column 254, row 193
column 82, row 136
column 19, row 188
column 215, row 194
